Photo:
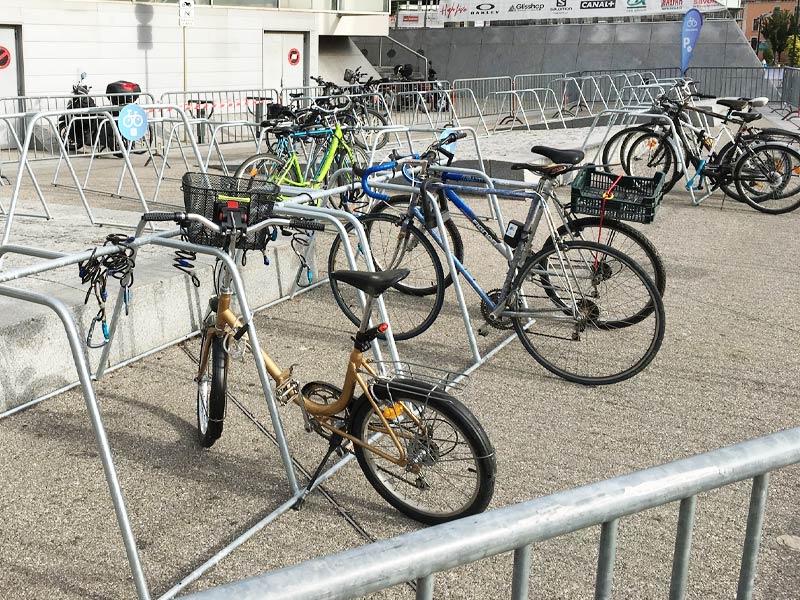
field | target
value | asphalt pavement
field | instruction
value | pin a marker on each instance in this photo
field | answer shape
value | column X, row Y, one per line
column 728, row 370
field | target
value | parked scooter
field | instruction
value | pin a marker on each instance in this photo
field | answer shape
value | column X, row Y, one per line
column 81, row 131
column 78, row 131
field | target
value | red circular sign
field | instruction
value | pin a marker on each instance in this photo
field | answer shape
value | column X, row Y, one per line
column 294, row 56
column 5, row 57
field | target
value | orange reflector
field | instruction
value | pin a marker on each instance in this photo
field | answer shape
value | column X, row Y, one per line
column 253, row 172
column 392, row 412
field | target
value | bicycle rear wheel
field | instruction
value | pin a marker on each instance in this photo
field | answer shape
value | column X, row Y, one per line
column 579, row 300
column 410, row 312
column 621, row 236
column 211, row 390
column 261, row 168
column 452, row 466
column 768, row 178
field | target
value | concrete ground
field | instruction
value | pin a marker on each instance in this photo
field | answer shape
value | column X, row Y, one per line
column 728, row 371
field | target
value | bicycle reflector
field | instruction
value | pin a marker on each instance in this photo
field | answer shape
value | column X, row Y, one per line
column 383, row 327
column 394, row 411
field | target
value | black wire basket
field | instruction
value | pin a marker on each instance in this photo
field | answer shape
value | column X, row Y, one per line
column 634, row 198
column 204, row 194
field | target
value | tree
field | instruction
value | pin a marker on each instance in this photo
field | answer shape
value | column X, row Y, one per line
column 769, row 56
column 793, row 43
column 777, row 28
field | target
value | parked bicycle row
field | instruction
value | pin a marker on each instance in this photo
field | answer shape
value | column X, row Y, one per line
column 584, row 296
column 752, row 164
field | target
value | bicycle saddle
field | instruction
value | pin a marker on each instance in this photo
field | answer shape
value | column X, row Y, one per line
column 562, row 160
column 372, row 284
column 284, row 131
column 747, row 117
column 734, row 103
column 571, row 157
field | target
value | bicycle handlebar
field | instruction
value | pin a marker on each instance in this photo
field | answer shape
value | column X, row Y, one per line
column 427, row 157
column 164, row 216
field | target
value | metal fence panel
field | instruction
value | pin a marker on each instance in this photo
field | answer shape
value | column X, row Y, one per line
column 420, row 554
column 790, row 89
column 485, row 90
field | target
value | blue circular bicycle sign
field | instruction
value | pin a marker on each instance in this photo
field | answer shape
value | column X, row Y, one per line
column 132, row 122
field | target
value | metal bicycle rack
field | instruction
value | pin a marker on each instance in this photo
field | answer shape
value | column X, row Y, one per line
column 54, row 260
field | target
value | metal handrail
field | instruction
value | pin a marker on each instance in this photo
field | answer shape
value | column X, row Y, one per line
column 420, row 554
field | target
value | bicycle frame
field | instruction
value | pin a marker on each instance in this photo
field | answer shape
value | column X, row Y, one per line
column 292, row 173
column 287, row 388
column 516, row 257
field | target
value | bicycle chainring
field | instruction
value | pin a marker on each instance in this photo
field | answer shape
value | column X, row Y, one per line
column 502, row 323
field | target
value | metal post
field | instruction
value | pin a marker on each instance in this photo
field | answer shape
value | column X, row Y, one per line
column 81, row 365
column 605, row 563
column 752, row 539
column 522, row 572
column 425, row 588
column 683, row 546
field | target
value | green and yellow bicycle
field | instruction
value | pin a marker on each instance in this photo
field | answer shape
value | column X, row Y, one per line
column 308, row 156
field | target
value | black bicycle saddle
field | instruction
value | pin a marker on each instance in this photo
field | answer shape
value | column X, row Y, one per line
column 372, row 284
column 747, row 117
column 571, row 157
column 734, row 103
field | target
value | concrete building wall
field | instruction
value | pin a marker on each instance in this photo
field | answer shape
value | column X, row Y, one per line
column 494, row 51
column 143, row 42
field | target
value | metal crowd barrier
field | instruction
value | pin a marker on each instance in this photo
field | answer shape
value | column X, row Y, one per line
column 43, row 141
column 419, row 555
column 49, row 118
column 483, row 88
column 242, row 105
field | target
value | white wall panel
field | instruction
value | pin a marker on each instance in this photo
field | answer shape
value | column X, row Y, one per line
column 62, row 38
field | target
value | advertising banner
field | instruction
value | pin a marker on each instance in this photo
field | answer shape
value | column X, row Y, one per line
column 511, row 10
column 690, row 31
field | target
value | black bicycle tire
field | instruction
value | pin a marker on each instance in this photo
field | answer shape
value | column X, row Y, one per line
column 658, row 304
column 462, row 420
column 423, row 240
column 641, row 240
column 454, row 235
column 339, row 162
column 746, row 197
column 218, row 365
column 627, row 134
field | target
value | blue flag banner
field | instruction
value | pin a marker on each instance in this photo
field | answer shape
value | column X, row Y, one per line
column 690, row 31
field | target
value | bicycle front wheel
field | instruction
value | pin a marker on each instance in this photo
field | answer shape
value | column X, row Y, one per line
column 650, row 153
column 211, row 390
column 579, row 313
column 768, row 178
column 450, row 464
column 410, row 312
column 398, row 206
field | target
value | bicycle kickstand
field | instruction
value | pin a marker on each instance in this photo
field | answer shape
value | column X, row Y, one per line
column 333, row 444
